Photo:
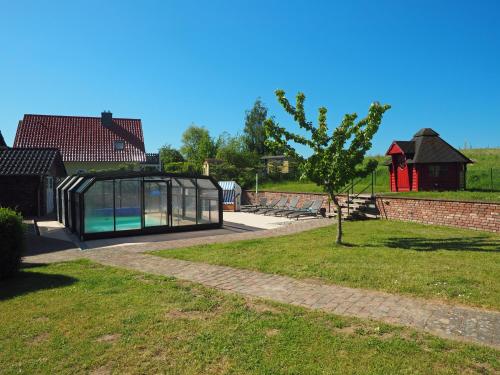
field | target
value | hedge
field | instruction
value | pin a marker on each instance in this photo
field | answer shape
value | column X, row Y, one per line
column 11, row 242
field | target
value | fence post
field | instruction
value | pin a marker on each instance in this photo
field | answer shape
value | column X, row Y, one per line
column 256, row 185
column 491, row 178
column 373, row 174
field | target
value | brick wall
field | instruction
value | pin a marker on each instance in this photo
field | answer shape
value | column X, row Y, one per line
column 463, row 214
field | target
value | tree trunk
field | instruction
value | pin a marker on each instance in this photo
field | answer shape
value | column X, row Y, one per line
column 339, row 219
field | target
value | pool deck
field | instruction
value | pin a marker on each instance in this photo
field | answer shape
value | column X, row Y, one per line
column 53, row 233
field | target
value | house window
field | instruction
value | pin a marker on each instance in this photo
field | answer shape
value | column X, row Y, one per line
column 119, row 145
column 438, row 170
column 434, row 170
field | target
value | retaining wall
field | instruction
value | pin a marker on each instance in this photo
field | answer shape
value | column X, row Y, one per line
column 463, row 214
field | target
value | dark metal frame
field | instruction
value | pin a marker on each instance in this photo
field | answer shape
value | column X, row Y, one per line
column 143, row 175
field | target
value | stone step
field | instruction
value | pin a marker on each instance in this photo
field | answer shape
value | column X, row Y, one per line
column 359, row 200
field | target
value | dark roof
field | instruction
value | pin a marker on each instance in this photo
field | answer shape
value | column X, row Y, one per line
column 30, row 162
column 137, row 174
column 408, row 147
column 2, row 141
column 83, row 138
column 427, row 147
column 152, row 159
column 426, row 132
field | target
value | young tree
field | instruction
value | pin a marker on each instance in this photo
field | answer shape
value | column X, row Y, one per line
column 254, row 133
column 197, row 145
column 337, row 158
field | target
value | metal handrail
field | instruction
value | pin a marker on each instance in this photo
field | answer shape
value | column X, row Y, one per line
column 351, row 187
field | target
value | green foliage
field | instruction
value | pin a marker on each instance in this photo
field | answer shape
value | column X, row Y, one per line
column 244, row 176
column 168, row 154
column 11, row 242
column 184, row 167
column 239, row 163
column 255, row 134
column 197, row 145
column 337, row 157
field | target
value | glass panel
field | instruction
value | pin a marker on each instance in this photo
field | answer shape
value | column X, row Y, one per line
column 183, row 202
column 84, row 185
column 185, row 182
column 155, row 203
column 208, row 202
column 98, row 202
column 70, row 207
column 128, row 204
column 205, row 183
column 64, row 200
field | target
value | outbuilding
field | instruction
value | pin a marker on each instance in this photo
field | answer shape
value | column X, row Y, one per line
column 426, row 162
column 231, row 192
column 28, row 177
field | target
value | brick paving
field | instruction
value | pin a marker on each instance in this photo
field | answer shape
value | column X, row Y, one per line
column 455, row 322
column 449, row 321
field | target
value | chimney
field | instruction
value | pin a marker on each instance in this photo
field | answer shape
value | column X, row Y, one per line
column 106, row 118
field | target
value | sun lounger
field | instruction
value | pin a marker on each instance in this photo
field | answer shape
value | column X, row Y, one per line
column 280, row 204
column 311, row 211
column 262, row 203
column 267, row 206
column 290, row 206
column 305, row 206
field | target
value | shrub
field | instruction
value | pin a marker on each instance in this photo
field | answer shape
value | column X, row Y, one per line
column 11, row 242
column 182, row 167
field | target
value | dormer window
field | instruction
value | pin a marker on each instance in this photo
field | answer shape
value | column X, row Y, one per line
column 119, row 145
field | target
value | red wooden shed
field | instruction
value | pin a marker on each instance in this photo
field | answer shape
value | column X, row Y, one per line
column 426, row 162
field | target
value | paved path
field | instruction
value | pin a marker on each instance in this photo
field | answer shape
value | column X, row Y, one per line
column 448, row 321
column 456, row 322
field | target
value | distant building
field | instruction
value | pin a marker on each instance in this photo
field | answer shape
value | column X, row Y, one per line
column 152, row 162
column 426, row 163
column 277, row 164
column 209, row 163
column 86, row 143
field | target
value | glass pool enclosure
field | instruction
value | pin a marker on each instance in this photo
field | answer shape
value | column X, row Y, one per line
column 114, row 204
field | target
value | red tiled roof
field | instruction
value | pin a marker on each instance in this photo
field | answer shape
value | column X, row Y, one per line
column 83, row 138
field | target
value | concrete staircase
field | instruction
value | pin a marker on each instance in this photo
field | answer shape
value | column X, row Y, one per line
column 361, row 207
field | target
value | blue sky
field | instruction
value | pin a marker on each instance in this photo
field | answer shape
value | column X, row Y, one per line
column 205, row 62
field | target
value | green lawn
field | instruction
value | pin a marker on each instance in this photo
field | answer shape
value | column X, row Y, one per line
column 428, row 261
column 478, row 180
column 80, row 317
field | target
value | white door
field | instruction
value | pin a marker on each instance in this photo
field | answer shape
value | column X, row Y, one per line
column 50, row 195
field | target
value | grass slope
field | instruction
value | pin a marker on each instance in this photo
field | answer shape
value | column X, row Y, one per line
column 478, row 180
column 450, row 264
column 80, row 317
